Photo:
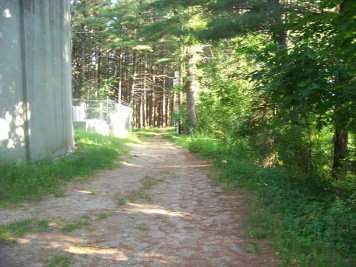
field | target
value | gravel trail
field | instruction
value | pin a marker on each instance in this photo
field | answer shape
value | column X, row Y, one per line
column 158, row 209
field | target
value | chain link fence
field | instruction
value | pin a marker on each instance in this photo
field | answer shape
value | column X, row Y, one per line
column 102, row 116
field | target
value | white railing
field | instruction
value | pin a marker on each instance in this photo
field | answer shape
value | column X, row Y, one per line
column 102, row 116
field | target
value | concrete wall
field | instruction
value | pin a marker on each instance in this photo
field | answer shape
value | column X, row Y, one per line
column 35, row 80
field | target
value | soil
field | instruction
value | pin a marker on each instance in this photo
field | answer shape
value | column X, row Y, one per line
column 158, row 209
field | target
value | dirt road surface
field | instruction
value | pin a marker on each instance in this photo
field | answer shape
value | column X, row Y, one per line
column 158, row 209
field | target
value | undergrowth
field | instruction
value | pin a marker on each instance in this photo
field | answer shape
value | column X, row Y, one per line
column 33, row 181
column 308, row 224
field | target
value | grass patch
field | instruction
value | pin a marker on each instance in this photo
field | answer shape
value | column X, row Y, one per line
column 142, row 228
column 105, row 214
column 307, row 224
column 147, row 183
column 60, row 261
column 120, row 200
column 134, row 196
column 152, row 132
column 21, row 228
column 70, row 227
column 33, row 181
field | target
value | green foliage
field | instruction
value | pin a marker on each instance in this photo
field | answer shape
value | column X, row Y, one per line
column 60, row 261
column 32, row 181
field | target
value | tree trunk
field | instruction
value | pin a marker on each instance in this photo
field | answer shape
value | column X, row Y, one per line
column 153, row 120
column 144, row 108
column 163, row 98
column 119, row 78
column 82, row 60
column 141, row 112
column 279, row 34
column 340, row 142
column 340, row 139
column 190, row 90
column 133, row 78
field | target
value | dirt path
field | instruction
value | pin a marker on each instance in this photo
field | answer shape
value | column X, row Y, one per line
column 158, row 209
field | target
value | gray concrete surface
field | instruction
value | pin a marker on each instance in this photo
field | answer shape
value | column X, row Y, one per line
column 35, row 80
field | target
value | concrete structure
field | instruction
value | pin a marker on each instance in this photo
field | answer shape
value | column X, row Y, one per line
column 35, row 80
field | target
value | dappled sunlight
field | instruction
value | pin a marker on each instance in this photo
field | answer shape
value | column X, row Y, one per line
column 85, row 192
column 89, row 251
column 52, row 241
column 7, row 13
column 23, row 240
column 12, row 132
column 130, row 164
column 153, row 209
column 157, row 257
column 188, row 166
column 111, row 253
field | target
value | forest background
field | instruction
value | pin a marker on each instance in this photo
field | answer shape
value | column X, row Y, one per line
column 265, row 87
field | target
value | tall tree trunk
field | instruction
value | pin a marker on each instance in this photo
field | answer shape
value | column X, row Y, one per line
column 133, row 78
column 168, row 112
column 190, row 90
column 340, row 143
column 163, row 98
column 126, row 84
column 144, row 108
column 340, row 139
column 153, row 95
column 141, row 113
column 174, row 102
column 279, row 34
column 82, row 60
column 96, row 71
column 119, row 78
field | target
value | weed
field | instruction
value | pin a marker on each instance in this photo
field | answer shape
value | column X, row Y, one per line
column 58, row 192
column 134, row 196
column 147, row 183
column 105, row 215
column 142, row 228
column 60, row 261
column 120, row 201
column 74, row 226
column 256, row 248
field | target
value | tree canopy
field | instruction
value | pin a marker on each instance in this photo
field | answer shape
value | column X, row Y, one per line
column 279, row 73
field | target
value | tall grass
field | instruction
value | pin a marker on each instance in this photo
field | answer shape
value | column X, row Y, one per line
column 307, row 224
column 33, row 181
